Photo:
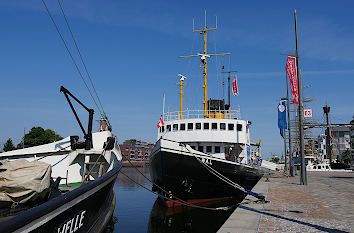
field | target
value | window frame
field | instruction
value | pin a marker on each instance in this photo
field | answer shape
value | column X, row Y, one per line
column 239, row 127
column 232, row 128
column 196, row 126
column 215, row 150
column 208, row 125
column 209, row 149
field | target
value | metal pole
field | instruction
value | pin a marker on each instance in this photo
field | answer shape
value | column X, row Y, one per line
column 285, row 156
column 326, row 110
column 289, row 133
column 163, row 106
column 228, row 89
column 303, row 177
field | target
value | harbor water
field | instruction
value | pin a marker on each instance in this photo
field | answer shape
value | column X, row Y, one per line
column 139, row 210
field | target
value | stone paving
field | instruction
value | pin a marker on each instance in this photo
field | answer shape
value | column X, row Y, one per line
column 326, row 204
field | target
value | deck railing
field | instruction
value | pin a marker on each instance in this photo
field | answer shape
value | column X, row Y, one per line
column 199, row 114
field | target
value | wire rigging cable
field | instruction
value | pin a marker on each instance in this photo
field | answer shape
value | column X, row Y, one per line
column 80, row 55
column 70, row 54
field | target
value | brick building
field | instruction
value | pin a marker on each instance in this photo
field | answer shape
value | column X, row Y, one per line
column 136, row 150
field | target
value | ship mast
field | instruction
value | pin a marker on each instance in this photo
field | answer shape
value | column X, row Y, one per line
column 203, row 58
column 181, row 84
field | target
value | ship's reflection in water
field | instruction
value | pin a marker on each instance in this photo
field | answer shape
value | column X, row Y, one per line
column 187, row 219
column 138, row 210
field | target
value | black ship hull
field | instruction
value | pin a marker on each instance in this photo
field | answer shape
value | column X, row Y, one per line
column 88, row 208
column 183, row 176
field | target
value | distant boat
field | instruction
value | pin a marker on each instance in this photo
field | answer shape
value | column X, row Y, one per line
column 79, row 196
column 318, row 166
column 201, row 155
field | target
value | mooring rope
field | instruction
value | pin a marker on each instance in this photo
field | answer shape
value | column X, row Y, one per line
column 225, row 179
column 219, row 175
column 178, row 200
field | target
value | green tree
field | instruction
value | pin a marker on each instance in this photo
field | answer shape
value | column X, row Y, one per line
column 8, row 146
column 39, row 136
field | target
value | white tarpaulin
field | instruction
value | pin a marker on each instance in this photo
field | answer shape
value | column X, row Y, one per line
column 21, row 180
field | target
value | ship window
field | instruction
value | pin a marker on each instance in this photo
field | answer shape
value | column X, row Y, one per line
column 206, row 125
column 239, row 127
column 327, row 167
column 217, row 149
column 182, row 126
column 200, row 148
column 198, row 125
column 208, row 149
column 190, row 126
column 231, row 126
column 319, row 167
column 222, row 126
column 175, row 127
column 162, row 129
column 214, row 126
column 168, row 128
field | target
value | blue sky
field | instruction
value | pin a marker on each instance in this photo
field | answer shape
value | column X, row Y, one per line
column 132, row 51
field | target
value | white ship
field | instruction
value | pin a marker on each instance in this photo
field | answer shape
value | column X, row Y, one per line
column 204, row 154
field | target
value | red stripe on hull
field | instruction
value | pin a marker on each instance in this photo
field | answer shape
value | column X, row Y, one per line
column 207, row 201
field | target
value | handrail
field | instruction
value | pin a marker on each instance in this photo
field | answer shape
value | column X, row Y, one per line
column 199, row 114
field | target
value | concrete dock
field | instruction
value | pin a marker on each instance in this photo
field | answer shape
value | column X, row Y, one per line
column 326, row 204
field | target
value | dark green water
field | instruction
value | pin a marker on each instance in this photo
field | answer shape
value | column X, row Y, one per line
column 138, row 210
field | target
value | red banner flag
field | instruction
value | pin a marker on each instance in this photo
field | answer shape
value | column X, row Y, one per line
column 234, row 86
column 291, row 69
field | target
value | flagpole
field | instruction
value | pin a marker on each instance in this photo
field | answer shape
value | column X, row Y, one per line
column 291, row 164
column 303, row 177
column 286, row 162
column 163, row 106
column 284, row 137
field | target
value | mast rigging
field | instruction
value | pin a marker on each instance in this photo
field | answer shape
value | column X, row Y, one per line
column 203, row 56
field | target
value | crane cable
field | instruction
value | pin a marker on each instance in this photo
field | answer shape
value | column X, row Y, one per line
column 80, row 55
column 70, row 54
